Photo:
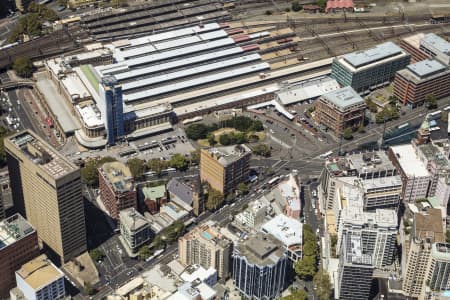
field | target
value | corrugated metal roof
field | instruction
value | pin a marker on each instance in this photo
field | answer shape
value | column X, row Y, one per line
column 190, row 71
column 196, row 81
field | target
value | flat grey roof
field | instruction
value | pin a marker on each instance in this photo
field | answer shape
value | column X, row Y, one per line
column 426, row 68
column 344, row 97
column 437, row 42
column 261, row 249
column 361, row 58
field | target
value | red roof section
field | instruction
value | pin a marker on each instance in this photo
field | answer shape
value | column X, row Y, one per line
column 339, row 4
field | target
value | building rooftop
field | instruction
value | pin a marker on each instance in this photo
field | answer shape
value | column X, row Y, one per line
column 194, row 272
column 39, row 272
column 432, row 153
column 287, row 230
column 414, row 40
column 378, row 53
column 118, row 175
column 382, row 182
column 181, row 190
column 344, row 98
column 382, row 218
column 306, row 90
column 428, row 224
column 229, row 154
column 261, row 249
column 441, row 251
column 369, row 162
column 209, row 233
column 426, row 68
column 132, row 219
column 155, row 192
column 13, row 229
column 437, row 42
column 290, row 191
column 409, row 162
column 353, row 252
column 90, row 114
column 42, row 154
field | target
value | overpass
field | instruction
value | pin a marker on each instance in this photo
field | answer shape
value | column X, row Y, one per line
column 10, row 85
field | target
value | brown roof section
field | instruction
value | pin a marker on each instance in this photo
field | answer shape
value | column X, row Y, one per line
column 429, row 225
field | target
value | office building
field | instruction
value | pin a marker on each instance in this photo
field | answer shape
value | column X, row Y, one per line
column 369, row 69
column 134, row 229
column 427, row 229
column 416, row 82
column 355, row 270
column 223, row 168
column 436, row 47
column 207, row 247
column 39, row 279
column 193, row 291
column 415, row 176
column 117, row 190
column 289, row 232
column 6, row 201
column 383, row 192
column 18, row 244
column 48, row 186
column 254, row 214
column 188, row 192
column 378, row 231
column 411, row 44
column 438, row 270
column 340, row 109
column 111, row 108
column 259, row 267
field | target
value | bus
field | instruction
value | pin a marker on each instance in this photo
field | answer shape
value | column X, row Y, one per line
column 149, row 174
column 447, row 108
column 273, row 180
column 326, row 154
column 434, row 115
column 168, row 171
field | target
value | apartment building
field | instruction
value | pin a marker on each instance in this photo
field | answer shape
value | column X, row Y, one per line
column 18, row 244
column 415, row 176
column 340, row 109
column 117, row 190
column 39, row 279
column 427, row 230
column 417, row 81
column 259, row 267
column 47, row 186
column 438, row 270
column 225, row 167
column 436, row 47
column 207, row 247
column 378, row 231
column 355, row 270
column 369, row 69
column 381, row 192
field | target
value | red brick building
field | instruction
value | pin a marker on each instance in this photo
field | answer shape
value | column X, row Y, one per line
column 414, row 83
column 18, row 245
column 117, row 190
column 411, row 44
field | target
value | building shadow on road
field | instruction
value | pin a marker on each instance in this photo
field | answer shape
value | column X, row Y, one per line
column 97, row 226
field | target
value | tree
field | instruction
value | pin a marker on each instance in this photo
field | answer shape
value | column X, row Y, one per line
column 261, row 150
column 362, row 129
column 62, row 2
column 348, row 134
column 89, row 289
column 431, row 101
column 158, row 243
column 3, row 133
column 296, row 295
column 447, row 236
column 242, row 188
column 197, row 131
column 253, row 138
column 371, row 106
column 225, row 139
column 268, row 12
column 310, row 248
column 144, row 252
column 215, row 199
column 308, row 233
column 195, row 157
column 119, row 3
column 156, row 165
column 322, row 282
column 23, row 67
column 305, row 268
column 178, row 161
column 97, row 254
column 321, row 3
column 211, row 139
column 136, row 166
column 296, row 6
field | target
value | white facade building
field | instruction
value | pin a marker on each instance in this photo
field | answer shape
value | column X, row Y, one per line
column 39, row 279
